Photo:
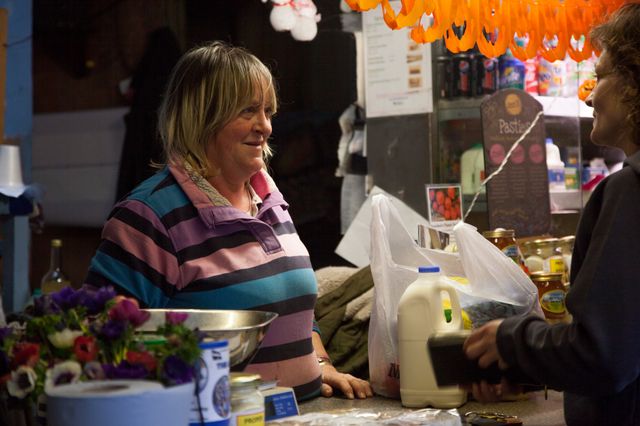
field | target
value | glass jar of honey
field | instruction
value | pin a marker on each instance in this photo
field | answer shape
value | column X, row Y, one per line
column 551, row 293
column 505, row 240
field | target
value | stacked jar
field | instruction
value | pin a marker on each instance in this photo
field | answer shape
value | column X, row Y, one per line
column 505, row 240
column 551, row 294
column 565, row 245
column 544, row 256
column 247, row 402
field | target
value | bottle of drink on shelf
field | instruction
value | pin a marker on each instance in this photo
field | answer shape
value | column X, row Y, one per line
column 54, row 280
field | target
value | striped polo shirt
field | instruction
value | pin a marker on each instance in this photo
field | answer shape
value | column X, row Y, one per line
column 169, row 246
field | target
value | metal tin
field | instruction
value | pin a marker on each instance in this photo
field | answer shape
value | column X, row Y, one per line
column 444, row 73
column 462, row 75
column 212, row 402
column 487, row 77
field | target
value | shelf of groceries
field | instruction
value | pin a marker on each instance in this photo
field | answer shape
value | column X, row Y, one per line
column 464, row 80
column 466, row 108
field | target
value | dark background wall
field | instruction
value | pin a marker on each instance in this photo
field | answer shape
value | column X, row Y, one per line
column 83, row 49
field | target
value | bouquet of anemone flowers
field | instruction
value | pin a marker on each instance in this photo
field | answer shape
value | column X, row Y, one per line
column 90, row 334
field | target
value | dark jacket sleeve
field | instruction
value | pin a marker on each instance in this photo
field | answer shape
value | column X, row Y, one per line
column 599, row 352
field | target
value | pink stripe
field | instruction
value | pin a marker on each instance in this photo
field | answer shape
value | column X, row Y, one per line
column 292, row 245
column 144, row 211
column 143, row 247
column 289, row 328
column 227, row 260
column 293, row 372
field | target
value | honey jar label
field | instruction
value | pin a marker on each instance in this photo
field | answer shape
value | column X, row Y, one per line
column 554, row 264
column 552, row 302
column 512, row 252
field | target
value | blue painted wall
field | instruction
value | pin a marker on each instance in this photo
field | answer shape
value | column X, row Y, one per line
column 19, row 92
column 18, row 124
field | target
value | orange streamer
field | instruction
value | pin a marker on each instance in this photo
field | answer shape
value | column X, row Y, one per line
column 551, row 28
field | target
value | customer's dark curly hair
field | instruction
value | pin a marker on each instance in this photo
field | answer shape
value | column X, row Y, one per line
column 620, row 37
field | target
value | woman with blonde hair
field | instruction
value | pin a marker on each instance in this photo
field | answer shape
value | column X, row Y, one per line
column 211, row 230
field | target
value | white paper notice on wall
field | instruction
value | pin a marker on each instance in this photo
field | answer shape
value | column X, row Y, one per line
column 355, row 246
column 397, row 69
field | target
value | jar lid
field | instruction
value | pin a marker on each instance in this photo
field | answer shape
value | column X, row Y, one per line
column 499, row 233
column 244, row 379
column 56, row 242
column 546, row 276
column 544, row 242
column 567, row 239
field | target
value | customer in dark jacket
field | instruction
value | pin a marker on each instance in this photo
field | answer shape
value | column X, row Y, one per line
column 596, row 358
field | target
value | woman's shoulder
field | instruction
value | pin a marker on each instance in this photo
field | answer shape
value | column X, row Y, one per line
column 160, row 192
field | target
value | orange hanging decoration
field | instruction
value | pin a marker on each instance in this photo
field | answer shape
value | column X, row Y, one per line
column 524, row 21
column 551, row 28
column 494, row 20
column 441, row 11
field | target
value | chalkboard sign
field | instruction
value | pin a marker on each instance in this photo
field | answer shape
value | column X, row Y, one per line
column 518, row 197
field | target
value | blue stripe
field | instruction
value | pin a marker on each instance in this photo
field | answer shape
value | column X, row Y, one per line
column 162, row 201
column 246, row 295
column 132, row 281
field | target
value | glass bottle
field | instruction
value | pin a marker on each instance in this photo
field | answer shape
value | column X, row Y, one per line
column 54, row 280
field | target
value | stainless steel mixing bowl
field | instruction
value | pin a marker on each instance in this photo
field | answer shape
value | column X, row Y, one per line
column 243, row 329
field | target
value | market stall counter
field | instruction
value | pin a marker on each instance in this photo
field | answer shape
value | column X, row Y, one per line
column 533, row 411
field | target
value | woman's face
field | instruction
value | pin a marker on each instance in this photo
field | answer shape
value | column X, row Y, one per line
column 237, row 149
column 609, row 112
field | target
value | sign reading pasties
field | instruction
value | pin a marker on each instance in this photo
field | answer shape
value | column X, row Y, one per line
column 517, row 197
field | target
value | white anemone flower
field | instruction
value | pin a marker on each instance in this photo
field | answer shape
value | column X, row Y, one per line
column 64, row 339
column 23, row 382
column 65, row 372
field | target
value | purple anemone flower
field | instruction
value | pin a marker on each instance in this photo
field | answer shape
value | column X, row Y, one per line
column 112, row 330
column 125, row 370
column 126, row 310
column 44, row 305
column 65, row 299
column 94, row 299
column 176, row 371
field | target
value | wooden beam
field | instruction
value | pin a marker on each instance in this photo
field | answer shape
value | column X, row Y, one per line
column 4, row 30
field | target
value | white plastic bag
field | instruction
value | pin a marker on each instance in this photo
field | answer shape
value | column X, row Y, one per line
column 394, row 261
column 497, row 286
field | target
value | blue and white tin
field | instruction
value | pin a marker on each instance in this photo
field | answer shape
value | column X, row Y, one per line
column 212, row 403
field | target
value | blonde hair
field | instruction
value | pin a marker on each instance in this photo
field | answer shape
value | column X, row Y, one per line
column 209, row 86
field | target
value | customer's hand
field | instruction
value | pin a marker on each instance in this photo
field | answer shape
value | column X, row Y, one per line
column 485, row 392
column 482, row 345
column 351, row 387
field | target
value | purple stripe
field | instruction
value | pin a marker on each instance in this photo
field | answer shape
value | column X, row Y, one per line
column 289, row 328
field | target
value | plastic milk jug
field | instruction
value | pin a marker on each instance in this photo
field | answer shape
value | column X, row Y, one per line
column 555, row 166
column 472, row 170
column 420, row 314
